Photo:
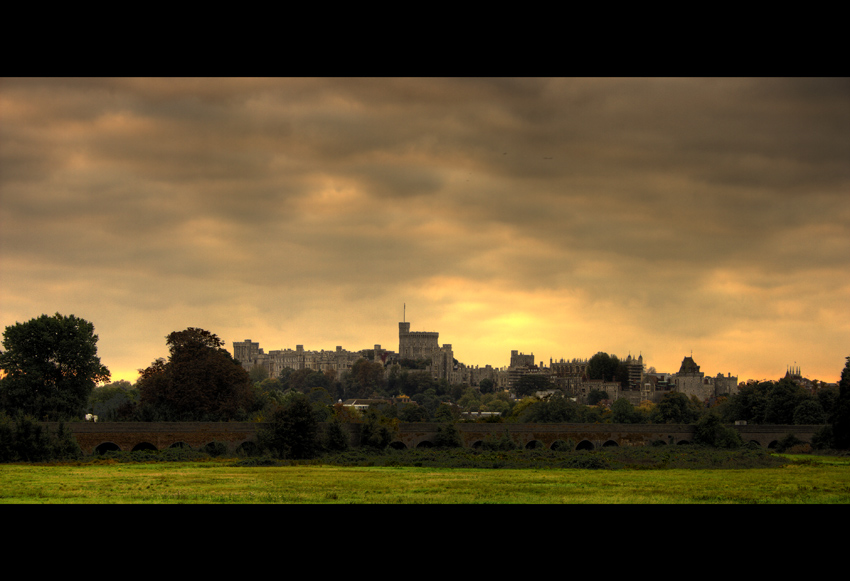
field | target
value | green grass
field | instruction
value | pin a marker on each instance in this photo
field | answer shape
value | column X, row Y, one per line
column 804, row 479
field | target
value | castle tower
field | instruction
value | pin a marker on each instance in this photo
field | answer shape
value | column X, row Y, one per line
column 635, row 367
column 416, row 345
column 246, row 352
column 691, row 381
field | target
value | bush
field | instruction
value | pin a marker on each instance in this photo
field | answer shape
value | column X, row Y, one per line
column 822, row 439
column 500, row 443
column 336, row 438
column 216, row 449
column 178, row 454
column 800, row 449
column 584, row 461
column 788, row 442
column 562, row 446
column 376, row 432
column 257, row 461
column 23, row 439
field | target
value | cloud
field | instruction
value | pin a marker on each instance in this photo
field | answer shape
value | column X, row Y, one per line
column 595, row 214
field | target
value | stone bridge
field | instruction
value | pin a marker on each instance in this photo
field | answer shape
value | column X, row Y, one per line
column 232, row 436
column 129, row 436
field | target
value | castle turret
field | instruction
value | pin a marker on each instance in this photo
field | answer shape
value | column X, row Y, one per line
column 416, row 345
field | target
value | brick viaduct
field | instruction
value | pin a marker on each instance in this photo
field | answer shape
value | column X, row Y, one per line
column 127, row 436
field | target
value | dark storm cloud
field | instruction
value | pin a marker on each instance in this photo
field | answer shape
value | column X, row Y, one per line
column 678, row 204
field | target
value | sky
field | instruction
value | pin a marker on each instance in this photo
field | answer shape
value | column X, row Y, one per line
column 562, row 217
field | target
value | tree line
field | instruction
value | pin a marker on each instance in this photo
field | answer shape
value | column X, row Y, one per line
column 51, row 372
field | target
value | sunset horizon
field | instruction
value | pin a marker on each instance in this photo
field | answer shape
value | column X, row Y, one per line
column 662, row 217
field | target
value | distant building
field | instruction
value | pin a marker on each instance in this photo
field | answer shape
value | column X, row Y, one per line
column 635, row 367
column 521, row 364
column 249, row 354
column 570, row 376
column 691, row 381
column 418, row 344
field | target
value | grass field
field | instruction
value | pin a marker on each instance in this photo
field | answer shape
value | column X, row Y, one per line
column 810, row 479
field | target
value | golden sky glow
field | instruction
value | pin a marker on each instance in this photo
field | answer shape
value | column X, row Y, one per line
column 558, row 217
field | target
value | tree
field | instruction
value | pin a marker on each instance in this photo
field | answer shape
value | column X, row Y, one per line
column 607, row 368
column 503, row 442
column 445, row 412
column 749, row 404
column 365, row 379
column 448, row 436
column 336, row 438
column 675, row 408
column 258, row 373
column 709, row 431
column 823, row 438
column 487, row 385
column 106, row 402
column 376, row 432
column 306, row 379
column 809, row 412
column 519, row 408
column 428, row 400
column 23, row 439
column 530, row 384
column 470, row 401
column 292, row 432
column 51, row 367
column 828, row 398
column 841, row 418
column 401, row 381
column 414, row 413
column 556, row 410
column 200, row 381
column 595, row 396
column 788, row 442
column 623, row 412
column 782, row 399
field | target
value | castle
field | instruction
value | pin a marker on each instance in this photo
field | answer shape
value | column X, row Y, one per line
column 423, row 347
column 691, row 381
column 419, row 345
column 249, row 354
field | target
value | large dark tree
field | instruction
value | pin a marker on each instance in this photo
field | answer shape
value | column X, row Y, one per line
column 51, row 366
column 200, row 381
column 749, row 404
column 769, row 402
column 782, row 400
column 292, row 432
column 709, row 431
column 366, row 379
column 608, row 368
column 107, row 401
column 841, row 417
